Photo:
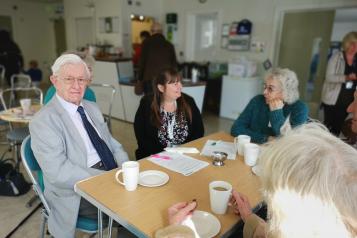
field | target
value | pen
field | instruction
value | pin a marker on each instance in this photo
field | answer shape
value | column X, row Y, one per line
column 216, row 142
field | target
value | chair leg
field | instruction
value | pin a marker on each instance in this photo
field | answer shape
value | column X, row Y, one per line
column 110, row 226
column 43, row 225
column 100, row 224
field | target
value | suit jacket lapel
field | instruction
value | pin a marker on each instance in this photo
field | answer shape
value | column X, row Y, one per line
column 72, row 128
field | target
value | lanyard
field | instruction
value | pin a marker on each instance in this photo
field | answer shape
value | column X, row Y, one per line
column 171, row 123
column 170, row 127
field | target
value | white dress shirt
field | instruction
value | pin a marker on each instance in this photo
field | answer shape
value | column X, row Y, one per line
column 92, row 155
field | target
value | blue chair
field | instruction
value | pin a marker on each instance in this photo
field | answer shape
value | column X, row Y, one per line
column 32, row 168
column 51, row 91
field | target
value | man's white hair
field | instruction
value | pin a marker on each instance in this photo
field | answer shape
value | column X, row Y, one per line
column 67, row 59
column 309, row 179
column 289, row 83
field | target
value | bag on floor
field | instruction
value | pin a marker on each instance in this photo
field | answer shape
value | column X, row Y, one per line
column 12, row 182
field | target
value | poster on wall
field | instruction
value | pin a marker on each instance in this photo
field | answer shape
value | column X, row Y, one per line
column 109, row 25
column 240, row 35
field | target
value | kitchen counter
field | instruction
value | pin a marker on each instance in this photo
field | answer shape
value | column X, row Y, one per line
column 126, row 102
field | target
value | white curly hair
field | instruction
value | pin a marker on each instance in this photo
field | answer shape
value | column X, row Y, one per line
column 289, row 83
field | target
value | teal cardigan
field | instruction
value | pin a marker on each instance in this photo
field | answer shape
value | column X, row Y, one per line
column 88, row 94
column 255, row 118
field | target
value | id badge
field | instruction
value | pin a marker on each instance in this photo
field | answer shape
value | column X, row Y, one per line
column 349, row 85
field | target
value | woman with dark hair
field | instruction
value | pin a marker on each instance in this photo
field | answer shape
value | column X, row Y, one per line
column 167, row 117
column 10, row 55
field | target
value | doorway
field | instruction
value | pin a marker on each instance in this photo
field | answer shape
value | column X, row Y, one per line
column 84, row 31
column 6, row 24
column 202, row 36
column 60, row 36
column 304, row 47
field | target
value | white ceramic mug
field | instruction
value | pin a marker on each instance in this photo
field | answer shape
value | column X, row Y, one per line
column 219, row 193
column 251, row 153
column 130, row 170
column 25, row 105
column 239, row 142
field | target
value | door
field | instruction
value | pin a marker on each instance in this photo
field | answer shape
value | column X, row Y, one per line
column 84, row 30
column 5, row 24
column 60, row 36
column 304, row 46
column 202, row 36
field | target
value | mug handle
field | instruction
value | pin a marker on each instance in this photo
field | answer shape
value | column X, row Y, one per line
column 117, row 176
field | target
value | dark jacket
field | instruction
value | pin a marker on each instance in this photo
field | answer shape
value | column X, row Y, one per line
column 147, row 134
column 156, row 53
column 10, row 55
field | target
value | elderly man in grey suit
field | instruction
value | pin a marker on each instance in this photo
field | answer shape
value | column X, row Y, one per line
column 71, row 142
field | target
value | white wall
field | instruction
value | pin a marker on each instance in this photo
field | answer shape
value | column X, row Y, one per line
column 32, row 31
column 345, row 21
column 265, row 16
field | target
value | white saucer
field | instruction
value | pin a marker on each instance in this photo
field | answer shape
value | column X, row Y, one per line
column 207, row 225
column 153, row 178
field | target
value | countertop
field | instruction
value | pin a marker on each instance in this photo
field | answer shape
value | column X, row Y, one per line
column 112, row 58
column 184, row 83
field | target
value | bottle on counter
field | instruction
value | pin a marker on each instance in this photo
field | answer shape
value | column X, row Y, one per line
column 194, row 75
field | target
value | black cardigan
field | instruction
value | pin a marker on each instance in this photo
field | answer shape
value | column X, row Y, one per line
column 147, row 134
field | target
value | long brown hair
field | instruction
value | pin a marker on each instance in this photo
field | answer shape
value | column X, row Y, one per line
column 167, row 76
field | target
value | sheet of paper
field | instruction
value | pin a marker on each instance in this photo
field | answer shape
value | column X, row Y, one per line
column 179, row 163
column 223, row 146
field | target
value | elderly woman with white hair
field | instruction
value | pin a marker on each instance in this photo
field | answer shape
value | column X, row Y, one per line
column 264, row 116
column 309, row 182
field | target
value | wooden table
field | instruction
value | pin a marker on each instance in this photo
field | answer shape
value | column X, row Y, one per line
column 15, row 114
column 145, row 210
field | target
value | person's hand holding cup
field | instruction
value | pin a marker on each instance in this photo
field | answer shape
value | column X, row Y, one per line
column 130, row 171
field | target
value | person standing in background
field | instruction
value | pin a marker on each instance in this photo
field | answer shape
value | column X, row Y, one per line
column 157, row 53
column 340, row 83
column 35, row 73
column 10, row 55
column 138, row 47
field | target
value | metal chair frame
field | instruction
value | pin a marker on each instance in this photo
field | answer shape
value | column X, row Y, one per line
column 33, row 167
column 15, row 144
column 108, row 116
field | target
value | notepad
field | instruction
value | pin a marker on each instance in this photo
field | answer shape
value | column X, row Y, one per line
column 179, row 163
column 223, row 146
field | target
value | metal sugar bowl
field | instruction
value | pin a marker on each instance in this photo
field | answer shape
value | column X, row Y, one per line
column 218, row 158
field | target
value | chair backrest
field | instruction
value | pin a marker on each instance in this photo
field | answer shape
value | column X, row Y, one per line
column 105, row 96
column 7, row 96
column 32, row 167
column 20, row 81
column 51, row 91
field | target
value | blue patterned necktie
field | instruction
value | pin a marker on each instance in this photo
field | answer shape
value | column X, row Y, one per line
column 101, row 147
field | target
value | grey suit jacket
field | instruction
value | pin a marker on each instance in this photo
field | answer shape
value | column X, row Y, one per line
column 62, row 156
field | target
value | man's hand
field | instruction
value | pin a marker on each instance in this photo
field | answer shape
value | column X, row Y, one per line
column 241, row 205
column 275, row 104
column 180, row 211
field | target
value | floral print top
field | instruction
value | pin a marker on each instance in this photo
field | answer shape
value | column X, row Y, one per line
column 179, row 127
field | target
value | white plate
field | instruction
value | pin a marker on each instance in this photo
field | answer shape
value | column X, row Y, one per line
column 153, row 178
column 207, row 225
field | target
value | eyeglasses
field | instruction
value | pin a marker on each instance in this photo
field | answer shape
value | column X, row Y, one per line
column 270, row 88
column 80, row 81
